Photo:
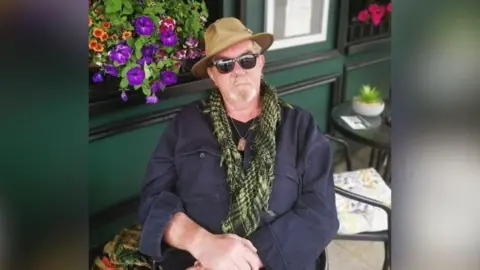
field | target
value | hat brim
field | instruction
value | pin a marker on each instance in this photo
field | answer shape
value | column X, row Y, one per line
column 264, row 40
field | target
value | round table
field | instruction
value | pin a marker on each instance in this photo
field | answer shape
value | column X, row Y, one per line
column 376, row 135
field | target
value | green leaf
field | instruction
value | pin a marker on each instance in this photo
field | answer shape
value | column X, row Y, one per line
column 146, row 91
column 129, row 27
column 169, row 49
column 127, row 68
column 124, row 83
column 130, row 41
column 138, row 47
column 176, row 69
column 124, row 72
column 115, row 21
column 127, row 11
column 155, row 71
column 204, row 10
column 138, row 9
column 138, row 53
column 161, row 64
column 139, row 43
column 112, row 9
column 167, row 62
column 136, row 87
column 117, row 3
column 159, row 8
column 127, row 4
column 155, row 20
column 147, row 71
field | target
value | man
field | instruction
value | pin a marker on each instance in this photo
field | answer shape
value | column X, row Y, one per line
column 241, row 180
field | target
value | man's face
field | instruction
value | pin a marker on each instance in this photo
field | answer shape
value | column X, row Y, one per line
column 239, row 85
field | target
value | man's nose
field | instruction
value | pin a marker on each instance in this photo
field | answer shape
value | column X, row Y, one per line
column 237, row 69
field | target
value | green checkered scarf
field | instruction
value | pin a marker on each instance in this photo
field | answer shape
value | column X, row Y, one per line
column 249, row 189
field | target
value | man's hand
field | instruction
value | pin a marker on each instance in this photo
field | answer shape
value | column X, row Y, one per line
column 226, row 251
column 196, row 266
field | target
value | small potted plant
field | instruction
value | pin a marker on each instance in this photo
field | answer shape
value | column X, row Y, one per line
column 369, row 102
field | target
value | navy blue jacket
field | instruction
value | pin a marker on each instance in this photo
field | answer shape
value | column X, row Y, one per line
column 184, row 174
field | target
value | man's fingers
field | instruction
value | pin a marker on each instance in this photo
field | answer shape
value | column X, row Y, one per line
column 244, row 241
column 252, row 259
column 196, row 266
column 242, row 264
column 249, row 245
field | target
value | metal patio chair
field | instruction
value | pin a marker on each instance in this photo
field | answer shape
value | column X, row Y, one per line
column 362, row 196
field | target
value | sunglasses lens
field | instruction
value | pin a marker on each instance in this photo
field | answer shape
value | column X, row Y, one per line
column 225, row 66
column 248, row 61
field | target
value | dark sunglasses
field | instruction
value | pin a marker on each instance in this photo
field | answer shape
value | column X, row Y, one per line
column 226, row 65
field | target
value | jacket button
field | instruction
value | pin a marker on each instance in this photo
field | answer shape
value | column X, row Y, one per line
column 202, row 155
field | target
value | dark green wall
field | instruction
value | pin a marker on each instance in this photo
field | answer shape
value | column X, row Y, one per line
column 117, row 162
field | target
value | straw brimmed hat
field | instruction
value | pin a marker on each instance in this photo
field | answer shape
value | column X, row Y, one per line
column 224, row 33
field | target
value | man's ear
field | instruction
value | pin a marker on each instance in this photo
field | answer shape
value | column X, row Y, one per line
column 261, row 61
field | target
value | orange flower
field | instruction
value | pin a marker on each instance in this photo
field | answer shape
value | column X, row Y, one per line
column 126, row 34
column 114, row 37
column 92, row 44
column 104, row 36
column 98, row 48
column 97, row 32
column 106, row 25
column 89, row 21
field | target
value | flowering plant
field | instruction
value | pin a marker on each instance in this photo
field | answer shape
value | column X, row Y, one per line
column 375, row 12
column 144, row 43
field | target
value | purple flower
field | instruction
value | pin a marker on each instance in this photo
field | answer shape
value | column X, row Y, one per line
column 121, row 53
column 157, row 85
column 145, row 60
column 135, row 76
column 97, row 77
column 124, row 96
column 150, row 50
column 118, row 57
column 192, row 54
column 111, row 70
column 191, row 42
column 123, row 47
column 144, row 25
column 168, row 38
column 169, row 77
column 152, row 99
column 181, row 54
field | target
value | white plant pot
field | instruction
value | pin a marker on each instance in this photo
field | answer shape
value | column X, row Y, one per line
column 368, row 109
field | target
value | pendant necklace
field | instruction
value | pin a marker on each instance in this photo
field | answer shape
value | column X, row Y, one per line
column 242, row 143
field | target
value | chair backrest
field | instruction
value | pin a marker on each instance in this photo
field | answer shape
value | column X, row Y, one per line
column 322, row 261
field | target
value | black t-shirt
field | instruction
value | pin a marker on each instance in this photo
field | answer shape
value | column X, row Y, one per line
column 242, row 128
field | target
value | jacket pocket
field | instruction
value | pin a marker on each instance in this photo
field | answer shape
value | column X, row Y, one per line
column 285, row 190
column 200, row 176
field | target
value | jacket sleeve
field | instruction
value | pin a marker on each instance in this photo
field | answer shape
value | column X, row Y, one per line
column 158, row 203
column 294, row 240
